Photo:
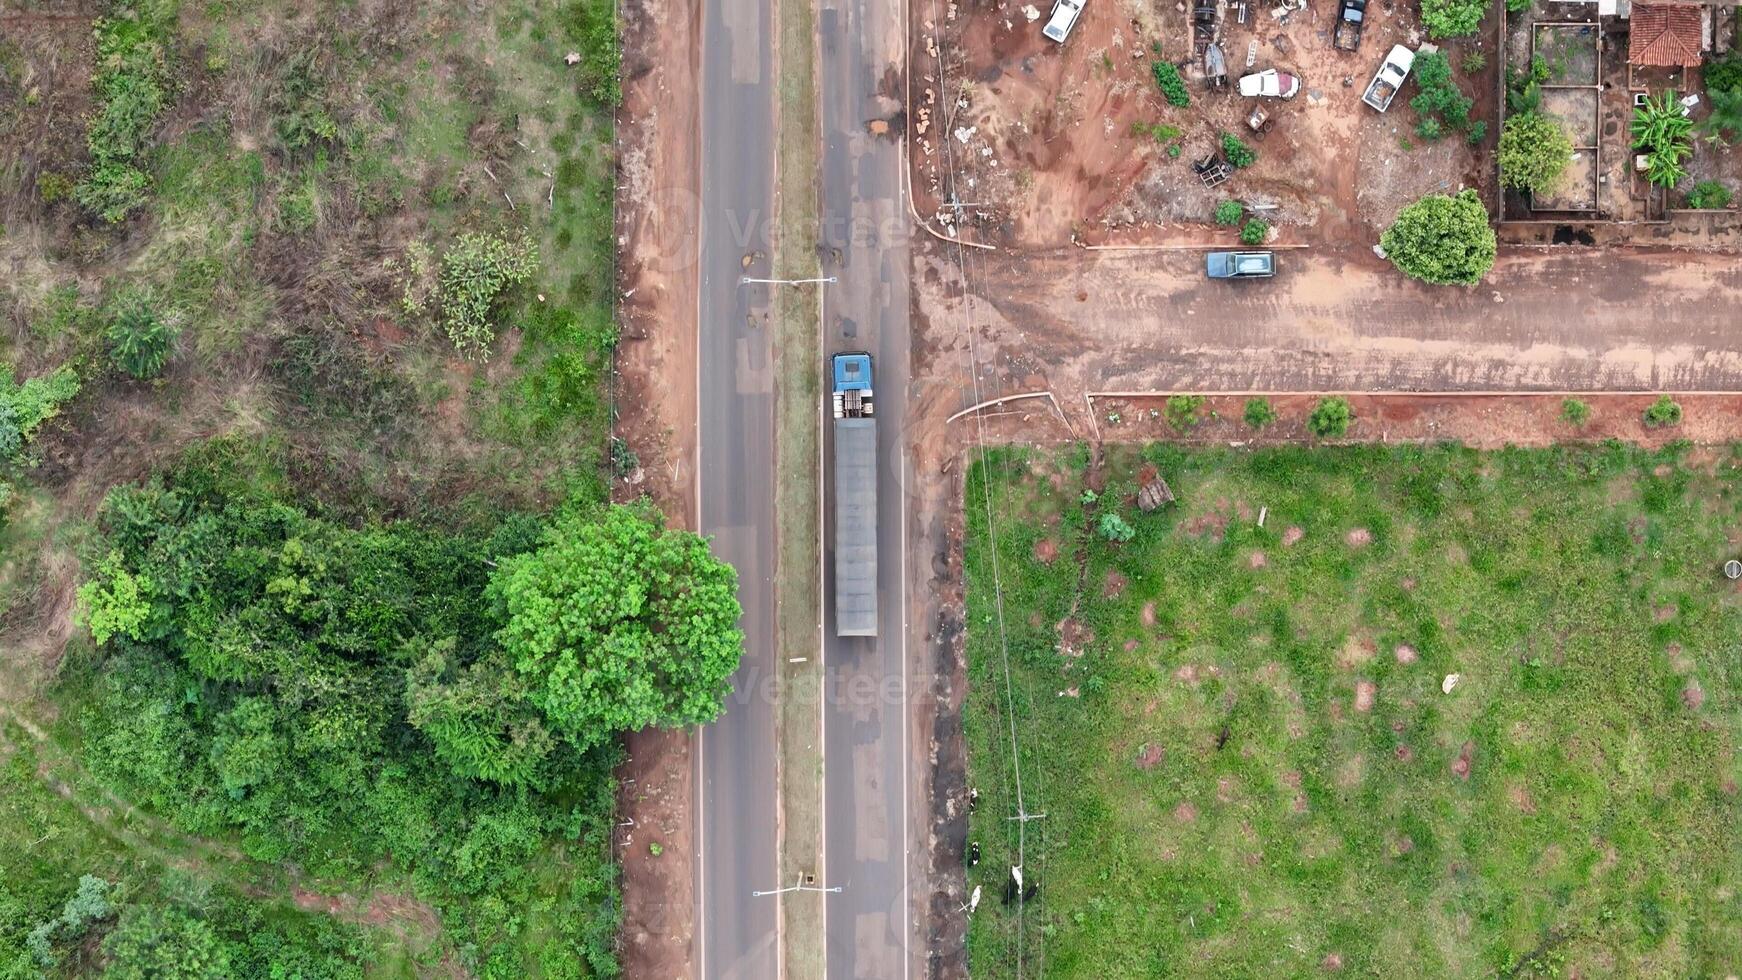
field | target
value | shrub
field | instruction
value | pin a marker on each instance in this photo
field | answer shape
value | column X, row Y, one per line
column 1709, row 194
column 132, row 91
column 1173, row 88
column 24, row 407
column 1576, row 413
column 1452, row 18
column 1726, row 114
column 1724, row 75
column 1662, row 413
column 139, row 339
column 1475, row 61
column 1330, row 418
column 1115, row 528
column 1182, row 411
column 1237, row 152
column 1478, row 132
column 1229, row 213
column 53, row 187
column 1517, row 6
column 1438, row 97
column 1254, row 232
column 1259, row 413
column 1442, row 240
column 475, row 272
column 1534, row 152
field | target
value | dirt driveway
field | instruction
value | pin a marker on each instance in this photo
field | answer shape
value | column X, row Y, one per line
column 1079, row 321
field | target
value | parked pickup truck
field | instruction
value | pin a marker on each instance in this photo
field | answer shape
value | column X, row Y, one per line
column 1389, row 78
column 1064, row 17
column 1351, row 17
column 1239, row 265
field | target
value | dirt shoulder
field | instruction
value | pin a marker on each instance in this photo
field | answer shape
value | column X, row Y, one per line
column 658, row 190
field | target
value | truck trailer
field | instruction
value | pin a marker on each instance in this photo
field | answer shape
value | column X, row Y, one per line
column 855, row 431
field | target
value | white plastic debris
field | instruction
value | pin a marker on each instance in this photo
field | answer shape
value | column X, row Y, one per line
column 1450, row 682
column 1031, row 12
column 964, row 135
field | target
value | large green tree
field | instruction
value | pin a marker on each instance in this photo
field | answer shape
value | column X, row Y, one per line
column 1442, row 240
column 1534, row 152
column 620, row 623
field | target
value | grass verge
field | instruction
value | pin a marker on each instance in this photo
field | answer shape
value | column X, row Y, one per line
column 1239, row 735
column 798, row 393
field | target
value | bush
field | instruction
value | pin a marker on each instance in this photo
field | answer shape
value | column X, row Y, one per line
column 1534, row 152
column 475, row 272
column 1230, row 212
column 24, row 407
column 1662, row 413
column 1254, row 232
column 139, row 339
column 1173, row 88
column 1442, row 240
column 132, row 91
column 1330, row 418
column 1478, row 132
column 1182, row 411
column 1724, row 75
column 1438, row 97
column 1725, row 116
column 1452, row 18
column 1709, row 194
column 1237, row 152
column 1576, row 413
column 1475, row 61
column 1517, row 6
column 1259, row 413
column 1115, row 528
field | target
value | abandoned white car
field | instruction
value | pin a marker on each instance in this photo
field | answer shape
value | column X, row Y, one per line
column 1270, row 83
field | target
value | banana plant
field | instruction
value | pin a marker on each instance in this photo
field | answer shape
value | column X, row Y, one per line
column 1660, row 122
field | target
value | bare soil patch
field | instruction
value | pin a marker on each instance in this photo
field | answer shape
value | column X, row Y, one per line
column 658, row 193
column 1074, row 142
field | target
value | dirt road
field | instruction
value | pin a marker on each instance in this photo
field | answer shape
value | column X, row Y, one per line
column 1111, row 321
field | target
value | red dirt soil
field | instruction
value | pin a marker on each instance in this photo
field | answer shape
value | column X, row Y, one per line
column 659, row 182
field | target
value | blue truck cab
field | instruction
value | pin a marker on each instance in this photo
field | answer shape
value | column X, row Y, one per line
column 852, row 385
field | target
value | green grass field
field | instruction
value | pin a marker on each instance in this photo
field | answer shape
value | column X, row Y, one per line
column 1247, row 763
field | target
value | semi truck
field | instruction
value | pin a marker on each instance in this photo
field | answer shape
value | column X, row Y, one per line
column 855, row 431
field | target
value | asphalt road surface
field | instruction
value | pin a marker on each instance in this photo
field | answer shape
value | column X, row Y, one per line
column 737, row 805
column 865, row 226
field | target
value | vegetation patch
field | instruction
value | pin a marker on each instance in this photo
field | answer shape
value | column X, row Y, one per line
column 1443, row 713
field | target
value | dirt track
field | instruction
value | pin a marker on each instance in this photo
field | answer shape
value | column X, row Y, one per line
column 1080, row 321
column 659, row 182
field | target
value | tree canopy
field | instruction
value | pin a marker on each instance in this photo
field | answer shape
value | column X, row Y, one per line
column 442, row 699
column 1442, row 240
column 1534, row 152
column 620, row 624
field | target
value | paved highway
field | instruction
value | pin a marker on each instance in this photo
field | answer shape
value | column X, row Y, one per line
column 737, row 805
column 864, row 716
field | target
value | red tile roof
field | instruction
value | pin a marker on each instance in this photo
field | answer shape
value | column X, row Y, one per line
column 1668, row 36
